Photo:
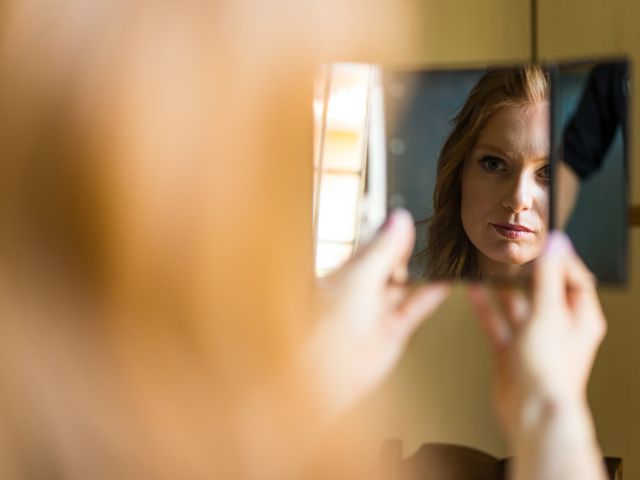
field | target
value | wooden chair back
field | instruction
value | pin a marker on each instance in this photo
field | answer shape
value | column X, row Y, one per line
column 439, row 461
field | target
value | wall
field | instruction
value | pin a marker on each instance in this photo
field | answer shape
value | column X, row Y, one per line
column 440, row 391
column 469, row 31
column 592, row 28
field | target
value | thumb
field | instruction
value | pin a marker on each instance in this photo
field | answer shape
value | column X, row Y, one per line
column 420, row 304
column 390, row 249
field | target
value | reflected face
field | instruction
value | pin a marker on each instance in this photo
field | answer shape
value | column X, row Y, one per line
column 505, row 188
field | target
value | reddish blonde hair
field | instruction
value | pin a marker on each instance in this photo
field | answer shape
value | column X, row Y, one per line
column 449, row 252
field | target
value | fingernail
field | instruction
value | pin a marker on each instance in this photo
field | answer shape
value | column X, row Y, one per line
column 395, row 217
column 558, row 243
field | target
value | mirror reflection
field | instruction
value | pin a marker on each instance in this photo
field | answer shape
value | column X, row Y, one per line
column 467, row 153
column 340, row 121
column 591, row 194
column 349, row 161
column 469, row 157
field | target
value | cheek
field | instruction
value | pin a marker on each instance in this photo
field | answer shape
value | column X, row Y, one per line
column 542, row 207
column 478, row 200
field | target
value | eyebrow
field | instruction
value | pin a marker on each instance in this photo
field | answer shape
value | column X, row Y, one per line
column 499, row 151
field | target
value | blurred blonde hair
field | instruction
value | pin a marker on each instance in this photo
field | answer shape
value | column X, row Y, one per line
column 449, row 252
column 155, row 229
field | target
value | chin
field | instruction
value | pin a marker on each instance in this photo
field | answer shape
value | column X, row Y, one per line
column 516, row 261
column 511, row 257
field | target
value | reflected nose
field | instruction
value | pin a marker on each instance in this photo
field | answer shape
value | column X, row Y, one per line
column 519, row 196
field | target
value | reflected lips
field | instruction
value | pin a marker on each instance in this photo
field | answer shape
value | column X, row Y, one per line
column 512, row 232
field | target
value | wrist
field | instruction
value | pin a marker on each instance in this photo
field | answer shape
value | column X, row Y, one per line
column 559, row 443
column 537, row 411
column 570, row 419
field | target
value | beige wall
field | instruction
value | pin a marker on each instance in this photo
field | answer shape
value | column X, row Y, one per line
column 595, row 28
column 453, row 31
column 440, row 392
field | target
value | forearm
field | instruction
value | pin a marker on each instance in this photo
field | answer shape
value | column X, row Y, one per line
column 559, row 443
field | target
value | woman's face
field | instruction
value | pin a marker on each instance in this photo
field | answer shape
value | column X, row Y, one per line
column 505, row 188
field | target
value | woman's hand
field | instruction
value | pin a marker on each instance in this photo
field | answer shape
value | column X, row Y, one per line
column 366, row 314
column 544, row 348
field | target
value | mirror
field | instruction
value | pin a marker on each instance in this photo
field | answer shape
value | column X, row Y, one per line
column 469, row 158
column 591, row 101
column 466, row 151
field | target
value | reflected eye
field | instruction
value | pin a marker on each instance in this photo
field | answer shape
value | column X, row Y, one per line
column 492, row 164
column 545, row 173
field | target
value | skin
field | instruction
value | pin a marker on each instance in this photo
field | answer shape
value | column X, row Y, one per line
column 364, row 318
column 544, row 345
column 505, row 182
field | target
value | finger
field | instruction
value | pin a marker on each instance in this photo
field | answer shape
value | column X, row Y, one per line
column 582, row 294
column 515, row 306
column 387, row 255
column 396, row 295
column 572, row 287
column 400, row 274
column 491, row 321
column 549, row 289
column 578, row 275
column 420, row 304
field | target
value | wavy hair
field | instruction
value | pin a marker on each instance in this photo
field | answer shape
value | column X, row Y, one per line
column 449, row 252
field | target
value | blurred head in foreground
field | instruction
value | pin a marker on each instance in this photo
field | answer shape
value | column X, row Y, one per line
column 148, row 151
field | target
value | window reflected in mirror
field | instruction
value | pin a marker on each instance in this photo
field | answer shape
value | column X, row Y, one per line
column 340, row 109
